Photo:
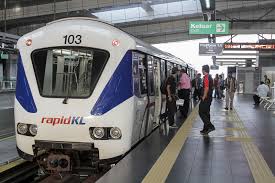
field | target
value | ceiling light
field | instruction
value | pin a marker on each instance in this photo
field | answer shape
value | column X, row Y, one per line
column 17, row 9
column 207, row 3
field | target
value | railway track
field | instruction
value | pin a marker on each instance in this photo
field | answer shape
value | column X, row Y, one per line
column 21, row 171
column 71, row 179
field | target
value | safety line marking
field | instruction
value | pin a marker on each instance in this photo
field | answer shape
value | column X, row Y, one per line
column 7, row 138
column 234, row 129
column 257, row 164
column 11, row 165
column 162, row 167
column 238, row 139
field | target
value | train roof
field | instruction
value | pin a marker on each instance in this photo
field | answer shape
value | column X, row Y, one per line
column 140, row 45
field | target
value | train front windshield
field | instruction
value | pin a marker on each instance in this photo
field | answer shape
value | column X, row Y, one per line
column 68, row 71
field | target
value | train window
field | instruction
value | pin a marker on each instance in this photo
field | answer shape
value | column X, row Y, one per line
column 156, row 76
column 68, row 71
column 142, row 76
column 169, row 68
column 151, row 84
column 162, row 72
column 139, row 74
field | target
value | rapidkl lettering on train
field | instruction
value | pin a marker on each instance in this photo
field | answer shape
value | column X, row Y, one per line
column 75, row 120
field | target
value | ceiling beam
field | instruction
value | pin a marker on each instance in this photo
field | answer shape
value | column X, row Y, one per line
column 249, row 54
column 220, row 58
column 146, row 5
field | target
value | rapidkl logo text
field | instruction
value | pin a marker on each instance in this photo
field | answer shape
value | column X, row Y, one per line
column 75, row 120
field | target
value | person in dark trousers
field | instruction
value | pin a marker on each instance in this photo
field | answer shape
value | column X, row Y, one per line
column 231, row 87
column 221, row 84
column 206, row 99
column 197, row 84
column 184, row 92
column 171, row 106
column 216, row 86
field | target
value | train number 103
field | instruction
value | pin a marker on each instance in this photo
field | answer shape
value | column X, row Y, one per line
column 71, row 39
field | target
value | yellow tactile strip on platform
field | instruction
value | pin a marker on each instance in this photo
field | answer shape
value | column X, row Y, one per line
column 258, row 166
column 161, row 169
column 11, row 165
column 238, row 139
column 234, row 129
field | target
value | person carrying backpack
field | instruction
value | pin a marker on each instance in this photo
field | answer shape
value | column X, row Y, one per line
column 197, row 85
column 171, row 106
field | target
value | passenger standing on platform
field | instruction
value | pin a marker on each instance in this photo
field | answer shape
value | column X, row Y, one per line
column 231, row 86
column 262, row 91
column 184, row 92
column 204, row 107
column 266, row 80
column 197, row 84
column 171, row 87
column 221, row 84
column 216, row 83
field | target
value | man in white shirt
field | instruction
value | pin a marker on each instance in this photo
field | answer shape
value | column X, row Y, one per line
column 262, row 91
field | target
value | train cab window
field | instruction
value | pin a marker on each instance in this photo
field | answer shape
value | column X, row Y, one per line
column 68, row 71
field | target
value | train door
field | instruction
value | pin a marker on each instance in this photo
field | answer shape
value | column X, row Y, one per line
column 151, row 93
column 141, row 96
column 169, row 68
column 158, row 99
column 163, row 77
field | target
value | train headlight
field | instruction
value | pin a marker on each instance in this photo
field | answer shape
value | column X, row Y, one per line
column 22, row 128
column 33, row 129
column 98, row 132
column 29, row 42
column 115, row 133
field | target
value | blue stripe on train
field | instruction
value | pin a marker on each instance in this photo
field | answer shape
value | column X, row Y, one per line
column 23, row 92
column 118, row 89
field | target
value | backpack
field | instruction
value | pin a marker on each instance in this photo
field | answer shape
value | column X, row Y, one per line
column 222, row 85
column 163, row 87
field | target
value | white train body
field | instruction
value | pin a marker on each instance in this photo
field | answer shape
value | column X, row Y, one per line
column 58, row 93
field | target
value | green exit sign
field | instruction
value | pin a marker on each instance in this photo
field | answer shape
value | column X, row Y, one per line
column 208, row 27
column 4, row 56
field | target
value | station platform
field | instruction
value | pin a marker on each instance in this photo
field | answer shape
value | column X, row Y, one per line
column 8, row 152
column 6, row 113
column 240, row 150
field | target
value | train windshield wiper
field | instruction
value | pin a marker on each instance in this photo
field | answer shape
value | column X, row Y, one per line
column 65, row 101
column 68, row 86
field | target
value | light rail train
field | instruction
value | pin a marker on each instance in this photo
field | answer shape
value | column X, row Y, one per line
column 86, row 93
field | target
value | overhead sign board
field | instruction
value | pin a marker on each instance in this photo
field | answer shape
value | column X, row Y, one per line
column 249, row 46
column 210, row 49
column 208, row 27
